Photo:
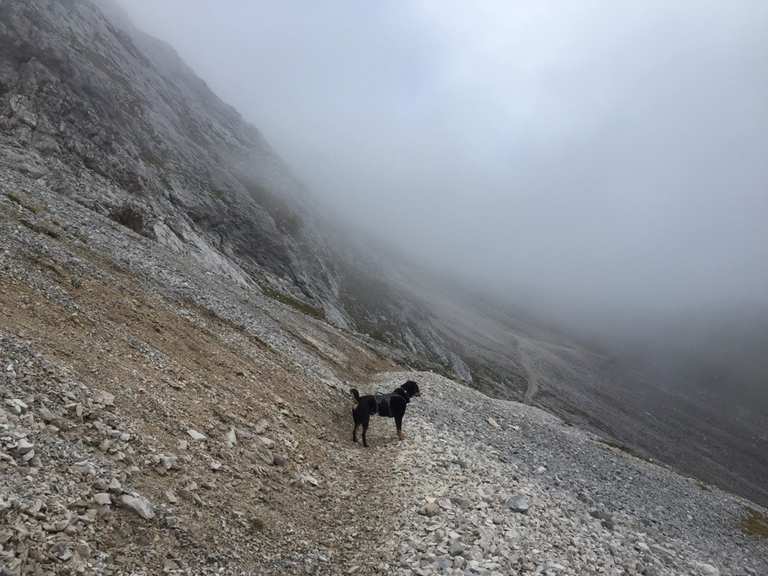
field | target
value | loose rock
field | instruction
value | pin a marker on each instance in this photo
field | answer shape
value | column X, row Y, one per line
column 139, row 505
column 520, row 504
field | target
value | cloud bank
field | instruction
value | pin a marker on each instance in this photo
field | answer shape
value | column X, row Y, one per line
column 602, row 163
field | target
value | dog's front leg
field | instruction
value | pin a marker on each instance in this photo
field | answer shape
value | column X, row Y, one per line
column 399, row 424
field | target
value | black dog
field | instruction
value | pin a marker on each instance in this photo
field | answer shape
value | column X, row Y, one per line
column 390, row 405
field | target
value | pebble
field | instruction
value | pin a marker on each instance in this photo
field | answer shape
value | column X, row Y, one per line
column 519, row 504
column 139, row 505
column 267, row 442
column 61, row 552
column 231, row 438
column 166, row 463
column 16, row 406
column 104, row 398
column 102, row 499
column 309, row 479
column 85, row 468
column 279, row 460
column 430, row 509
column 197, row 436
column 704, row 569
column 23, row 446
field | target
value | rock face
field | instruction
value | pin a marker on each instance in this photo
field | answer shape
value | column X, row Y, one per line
column 117, row 120
column 139, row 505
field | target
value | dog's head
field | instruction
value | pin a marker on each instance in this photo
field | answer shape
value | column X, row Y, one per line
column 411, row 389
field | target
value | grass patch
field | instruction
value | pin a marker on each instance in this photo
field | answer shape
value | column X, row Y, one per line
column 42, row 228
column 45, row 263
column 302, row 307
column 213, row 316
column 624, row 448
column 25, row 202
column 755, row 524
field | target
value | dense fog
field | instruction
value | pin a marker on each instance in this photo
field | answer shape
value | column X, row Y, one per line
column 601, row 164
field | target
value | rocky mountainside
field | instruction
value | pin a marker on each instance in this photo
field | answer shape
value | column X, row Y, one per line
column 114, row 120
column 159, row 419
column 156, row 418
column 178, row 338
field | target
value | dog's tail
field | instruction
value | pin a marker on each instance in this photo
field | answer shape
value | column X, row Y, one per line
column 355, row 394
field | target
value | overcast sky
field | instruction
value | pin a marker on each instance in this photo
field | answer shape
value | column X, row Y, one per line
column 593, row 156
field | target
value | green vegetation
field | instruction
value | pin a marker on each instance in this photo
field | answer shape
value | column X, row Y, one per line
column 299, row 305
column 624, row 448
column 25, row 202
column 755, row 524
column 41, row 228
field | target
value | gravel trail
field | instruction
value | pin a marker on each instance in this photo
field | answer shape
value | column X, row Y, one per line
column 496, row 487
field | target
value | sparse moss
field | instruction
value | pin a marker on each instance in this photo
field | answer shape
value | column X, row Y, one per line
column 755, row 523
column 25, row 202
column 624, row 448
column 302, row 307
column 42, row 228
